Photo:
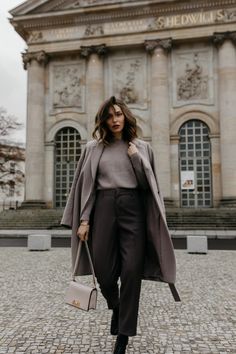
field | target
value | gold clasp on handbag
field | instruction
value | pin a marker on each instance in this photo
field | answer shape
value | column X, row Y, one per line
column 76, row 303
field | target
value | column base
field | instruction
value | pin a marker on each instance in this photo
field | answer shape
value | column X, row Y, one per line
column 33, row 204
column 229, row 202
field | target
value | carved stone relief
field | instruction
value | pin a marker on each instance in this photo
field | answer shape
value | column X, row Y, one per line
column 68, row 85
column 192, row 77
column 93, row 30
column 227, row 15
column 86, row 3
column 35, row 36
column 129, row 80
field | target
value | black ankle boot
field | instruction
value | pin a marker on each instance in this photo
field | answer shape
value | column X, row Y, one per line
column 115, row 321
column 121, row 343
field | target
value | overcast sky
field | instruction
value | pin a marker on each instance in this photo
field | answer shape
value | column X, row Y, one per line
column 13, row 78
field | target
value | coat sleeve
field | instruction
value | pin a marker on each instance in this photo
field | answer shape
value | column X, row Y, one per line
column 89, row 206
column 153, row 165
column 68, row 211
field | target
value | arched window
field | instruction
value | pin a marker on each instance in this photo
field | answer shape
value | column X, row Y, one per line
column 67, row 153
column 195, row 165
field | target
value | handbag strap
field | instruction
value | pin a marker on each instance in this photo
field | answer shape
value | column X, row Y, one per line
column 90, row 261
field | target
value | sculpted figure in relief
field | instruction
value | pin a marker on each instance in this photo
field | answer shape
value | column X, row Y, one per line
column 67, row 87
column 193, row 84
column 126, row 81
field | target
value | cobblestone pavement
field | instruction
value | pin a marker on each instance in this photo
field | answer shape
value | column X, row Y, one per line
column 35, row 319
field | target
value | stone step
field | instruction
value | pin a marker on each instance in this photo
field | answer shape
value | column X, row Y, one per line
column 185, row 219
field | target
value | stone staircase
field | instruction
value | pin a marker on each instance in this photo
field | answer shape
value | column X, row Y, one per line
column 201, row 219
column 178, row 219
column 30, row 219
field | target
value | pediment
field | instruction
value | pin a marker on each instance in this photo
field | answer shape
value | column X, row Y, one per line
column 63, row 5
column 47, row 6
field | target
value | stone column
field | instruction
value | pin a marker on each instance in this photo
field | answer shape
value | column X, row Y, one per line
column 34, row 164
column 226, row 97
column 174, row 159
column 216, row 170
column 95, row 81
column 49, row 173
column 160, row 112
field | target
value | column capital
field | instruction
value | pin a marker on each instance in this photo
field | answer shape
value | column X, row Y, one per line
column 152, row 44
column 220, row 37
column 41, row 57
column 86, row 51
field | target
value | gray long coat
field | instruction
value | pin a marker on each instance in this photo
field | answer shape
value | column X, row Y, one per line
column 160, row 262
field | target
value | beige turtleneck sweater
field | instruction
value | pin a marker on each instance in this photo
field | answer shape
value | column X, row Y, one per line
column 116, row 169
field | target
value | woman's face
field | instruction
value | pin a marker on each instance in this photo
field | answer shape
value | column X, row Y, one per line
column 116, row 120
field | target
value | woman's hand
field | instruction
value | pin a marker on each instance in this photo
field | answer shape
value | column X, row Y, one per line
column 132, row 149
column 83, row 231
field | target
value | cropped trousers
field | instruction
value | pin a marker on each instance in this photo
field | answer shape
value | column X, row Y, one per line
column 118, row 250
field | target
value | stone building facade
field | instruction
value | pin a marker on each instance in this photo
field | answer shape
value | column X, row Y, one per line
column 172, row 61
column 12, row 174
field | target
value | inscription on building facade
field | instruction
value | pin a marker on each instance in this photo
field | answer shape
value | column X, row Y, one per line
column 194, row 18
column 135, row 26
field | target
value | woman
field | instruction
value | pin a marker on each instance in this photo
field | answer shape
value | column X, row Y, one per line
column 115, row 204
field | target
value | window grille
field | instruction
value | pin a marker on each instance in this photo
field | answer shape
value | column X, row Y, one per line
column 67, row 154
column 195, row 155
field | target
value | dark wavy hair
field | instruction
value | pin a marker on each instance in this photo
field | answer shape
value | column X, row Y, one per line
column 102, row 132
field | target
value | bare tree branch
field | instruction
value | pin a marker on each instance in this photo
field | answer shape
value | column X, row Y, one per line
column 8, row 123
column 11, row 155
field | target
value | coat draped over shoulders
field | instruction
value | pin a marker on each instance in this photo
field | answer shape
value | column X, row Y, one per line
column 160, row 264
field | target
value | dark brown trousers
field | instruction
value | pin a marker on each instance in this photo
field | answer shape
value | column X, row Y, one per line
column 118, row 251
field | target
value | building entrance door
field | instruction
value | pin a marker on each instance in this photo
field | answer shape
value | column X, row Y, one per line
column 195, row 165
column 67, row 153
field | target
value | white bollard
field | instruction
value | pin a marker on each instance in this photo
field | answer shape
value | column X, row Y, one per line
column 39, row 242
column 197, row 244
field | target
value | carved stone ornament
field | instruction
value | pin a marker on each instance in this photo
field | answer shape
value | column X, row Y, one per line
column 129, row 80
column 85, row 51
column 219, row 38
column 193, row 77
column 35, row 36
column 68, row 86
column 151, row 45
column 91, row 30
column 67, row 5
column 193, row 84
column 41, row 57
column 233, row 37
column 227, row 15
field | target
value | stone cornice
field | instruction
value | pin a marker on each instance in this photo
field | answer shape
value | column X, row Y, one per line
column 105, row 14
column 41, row 57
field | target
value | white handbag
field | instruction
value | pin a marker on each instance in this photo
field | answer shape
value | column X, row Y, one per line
column 80, row 295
